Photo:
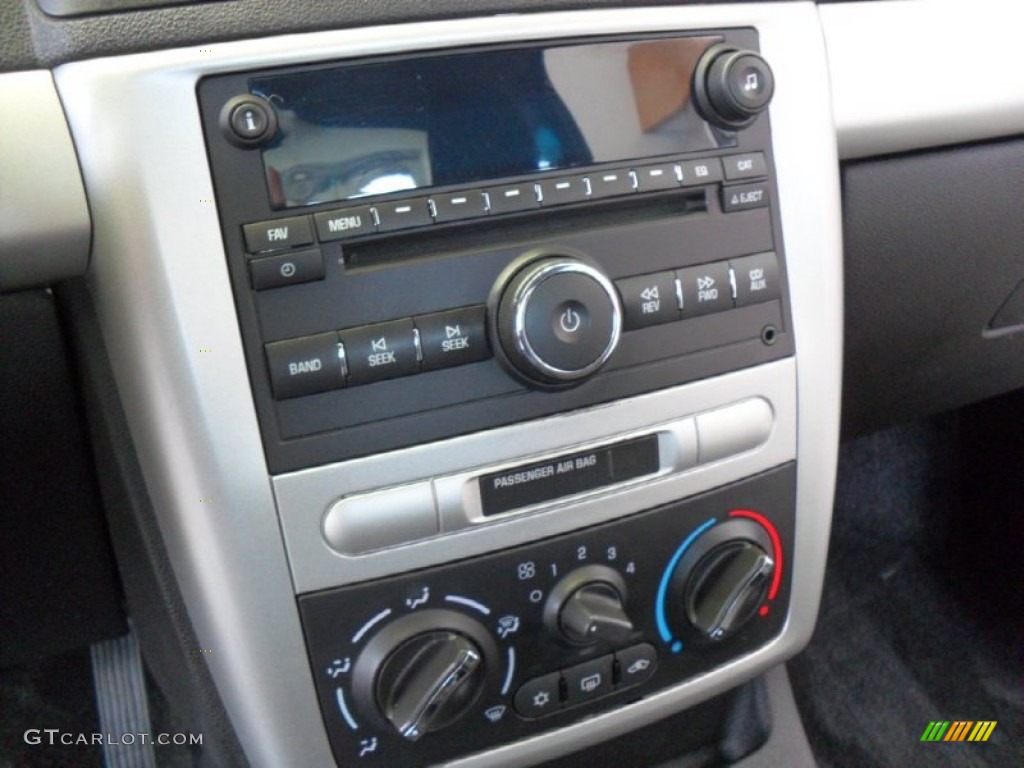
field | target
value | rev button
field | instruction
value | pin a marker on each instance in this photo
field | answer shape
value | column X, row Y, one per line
column 380, row 351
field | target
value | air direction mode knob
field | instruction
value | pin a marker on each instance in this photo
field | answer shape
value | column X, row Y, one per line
column 425, row 671
column 429, row 681
column 732, row 86
column 556, row 319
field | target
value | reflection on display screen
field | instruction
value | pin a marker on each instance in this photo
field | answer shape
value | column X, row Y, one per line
column 372, row 129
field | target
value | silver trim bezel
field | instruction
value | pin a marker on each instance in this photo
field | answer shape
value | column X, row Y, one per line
column 162, row 293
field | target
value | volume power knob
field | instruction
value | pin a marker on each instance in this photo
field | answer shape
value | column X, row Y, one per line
column 555, row 319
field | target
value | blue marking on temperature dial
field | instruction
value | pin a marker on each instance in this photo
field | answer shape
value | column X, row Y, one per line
column 659, row 605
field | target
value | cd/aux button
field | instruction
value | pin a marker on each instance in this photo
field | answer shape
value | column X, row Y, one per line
column 380, row 351
column 757, row 278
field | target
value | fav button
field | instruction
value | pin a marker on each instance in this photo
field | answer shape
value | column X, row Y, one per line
column 588, row 680
column 305, row 366
column 455, row 337
column 277, row 234
column 380, row 351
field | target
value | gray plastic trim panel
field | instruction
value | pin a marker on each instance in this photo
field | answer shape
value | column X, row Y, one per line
column 44, row 219
column 165, row 307
column 909, row 75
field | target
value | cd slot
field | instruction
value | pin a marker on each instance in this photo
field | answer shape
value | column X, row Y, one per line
column 538, row 224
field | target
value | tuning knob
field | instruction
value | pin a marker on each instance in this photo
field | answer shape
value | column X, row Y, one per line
column 732, row 86
column 425, row 671
column 555, row 319
column 723, row 579
column 588, row 606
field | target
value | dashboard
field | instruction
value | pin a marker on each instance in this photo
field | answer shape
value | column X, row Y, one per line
column 480, row 380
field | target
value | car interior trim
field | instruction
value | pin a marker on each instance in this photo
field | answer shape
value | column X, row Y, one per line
column 909, row 75
column 163, row 299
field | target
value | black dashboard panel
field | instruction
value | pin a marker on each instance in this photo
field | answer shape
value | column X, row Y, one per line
column 933, row 251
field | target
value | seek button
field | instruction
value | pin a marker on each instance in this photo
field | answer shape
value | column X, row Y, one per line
column 454, row 337
column 380, row 351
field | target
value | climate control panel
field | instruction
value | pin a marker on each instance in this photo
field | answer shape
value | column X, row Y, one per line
column 462, row 657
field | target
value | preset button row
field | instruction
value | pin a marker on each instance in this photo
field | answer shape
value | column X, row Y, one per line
column 356, row 221
column 370, row 353
column 664, row 297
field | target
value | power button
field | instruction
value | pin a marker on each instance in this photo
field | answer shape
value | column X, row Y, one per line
column 558, row 320
column 570, row 321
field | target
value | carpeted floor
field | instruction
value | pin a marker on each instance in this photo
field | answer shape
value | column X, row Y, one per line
column 923, row 612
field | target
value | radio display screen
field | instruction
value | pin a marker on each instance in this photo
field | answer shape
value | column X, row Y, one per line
column 358, row 130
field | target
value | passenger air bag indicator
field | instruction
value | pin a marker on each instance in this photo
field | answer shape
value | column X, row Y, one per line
column 567, row 475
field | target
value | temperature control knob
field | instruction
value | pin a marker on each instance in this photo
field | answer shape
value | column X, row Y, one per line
column 425, row 671
column 556, row 319
column 588, row 606
column 732, row 86
column 726, row 587
column 723, row 578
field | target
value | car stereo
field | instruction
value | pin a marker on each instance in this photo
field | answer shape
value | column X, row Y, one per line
column 537, row 237
column 427, row 246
